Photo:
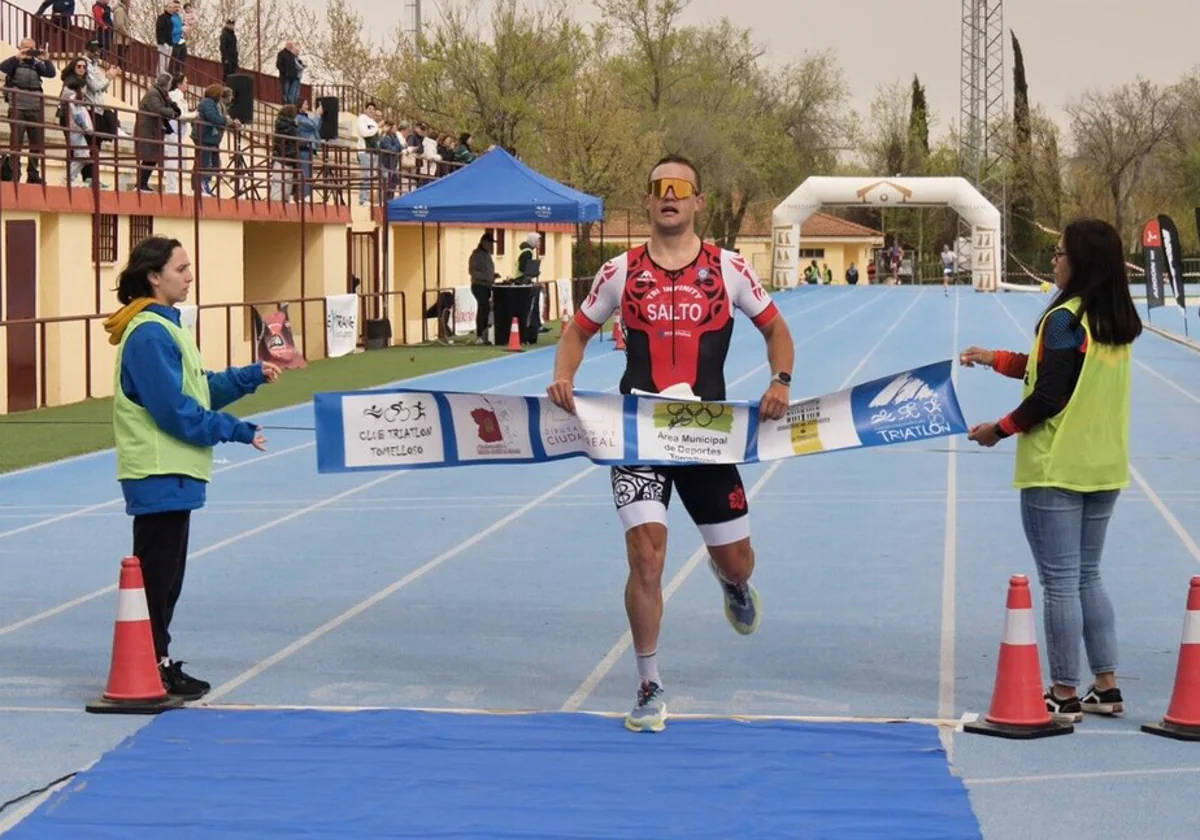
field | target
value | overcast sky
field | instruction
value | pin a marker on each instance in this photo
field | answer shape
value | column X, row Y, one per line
column 1068, row 44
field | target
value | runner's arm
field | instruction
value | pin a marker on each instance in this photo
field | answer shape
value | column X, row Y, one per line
column 602, row 301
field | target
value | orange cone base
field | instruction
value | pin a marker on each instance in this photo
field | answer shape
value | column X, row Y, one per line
column 1017, row 732
column 1177, row 731
column 105, row 706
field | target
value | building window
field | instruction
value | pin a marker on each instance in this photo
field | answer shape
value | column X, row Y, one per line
column 104, row 238
column 541, row 244
column 140, row 227
column 498, row 235
column 812, row 253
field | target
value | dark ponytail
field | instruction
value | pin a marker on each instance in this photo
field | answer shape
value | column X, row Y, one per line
column 149, row 256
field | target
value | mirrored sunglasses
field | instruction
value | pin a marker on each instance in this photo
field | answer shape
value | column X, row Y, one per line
column 680, row 188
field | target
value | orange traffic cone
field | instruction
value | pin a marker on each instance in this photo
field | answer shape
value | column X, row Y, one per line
column 1182, row 721
column 134, row 685
column 1018, row 707
column 618, row 333
column 514, row 337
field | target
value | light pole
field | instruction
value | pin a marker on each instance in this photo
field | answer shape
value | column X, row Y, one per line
column 258, row 31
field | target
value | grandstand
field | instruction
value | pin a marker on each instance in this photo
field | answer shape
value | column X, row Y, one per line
column 260, row 233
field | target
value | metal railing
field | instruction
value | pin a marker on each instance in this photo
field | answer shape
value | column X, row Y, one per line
column 240, row 342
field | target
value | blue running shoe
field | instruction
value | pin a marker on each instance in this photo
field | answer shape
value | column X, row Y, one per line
column 649, row 714
column 742, row 607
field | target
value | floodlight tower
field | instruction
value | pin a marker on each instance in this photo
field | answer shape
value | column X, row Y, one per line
column 415, row 7
column 983, row 109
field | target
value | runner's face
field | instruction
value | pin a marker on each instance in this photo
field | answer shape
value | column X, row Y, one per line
column 671, row 214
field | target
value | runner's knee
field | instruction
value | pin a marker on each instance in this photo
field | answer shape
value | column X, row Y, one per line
column 647, row 549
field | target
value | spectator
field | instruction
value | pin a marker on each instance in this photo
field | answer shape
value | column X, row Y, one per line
column 482, row 269
column 98, row 82
column 852, row 275
column 284, row 153
column 175, row 146
column 103, row 16
column 61, row 12
column 390, row 145
column 229, row 50
column 164, row 35
column 155, row 112
column 207, row 132
column 78, row 120
column 121, row 29
column 308, row 129
column 368, row 146
column 166, row 421
column 463, row 153
column 190, row 19
column 290, row 68
column 23, row 74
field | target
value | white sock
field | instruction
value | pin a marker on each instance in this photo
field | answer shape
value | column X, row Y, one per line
column 647, row 666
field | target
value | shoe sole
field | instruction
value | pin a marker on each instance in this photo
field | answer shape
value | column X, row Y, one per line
column 1066, row 717
column 1105, row 709
column 651, row 726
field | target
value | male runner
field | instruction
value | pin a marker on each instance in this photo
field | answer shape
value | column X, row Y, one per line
column 676, row 296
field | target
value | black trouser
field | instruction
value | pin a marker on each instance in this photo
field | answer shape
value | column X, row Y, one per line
column 160, row 541
column 483, row 307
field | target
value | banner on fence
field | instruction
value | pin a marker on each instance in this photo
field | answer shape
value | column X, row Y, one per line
column 1173, row 251
column 274, row 341
column 1155, row 263
column 341, row 325
column 407, row 428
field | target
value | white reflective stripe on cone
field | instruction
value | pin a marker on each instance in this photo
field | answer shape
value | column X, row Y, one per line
column 1018, row 628
column 131, row 605
column 1191, row 628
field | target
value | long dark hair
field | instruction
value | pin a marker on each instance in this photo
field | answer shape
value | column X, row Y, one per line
column 149, row 256
column 1100, row 281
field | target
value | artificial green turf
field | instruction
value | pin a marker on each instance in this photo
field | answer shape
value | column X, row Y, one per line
column 35, row 437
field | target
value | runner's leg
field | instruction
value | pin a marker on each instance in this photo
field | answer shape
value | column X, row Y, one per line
column 642, row 495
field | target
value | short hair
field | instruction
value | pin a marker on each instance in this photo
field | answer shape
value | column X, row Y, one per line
column 680, row 159
column 149, row 256
column 214, row 91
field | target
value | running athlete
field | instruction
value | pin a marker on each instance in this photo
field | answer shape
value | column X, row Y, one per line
column 676, row 296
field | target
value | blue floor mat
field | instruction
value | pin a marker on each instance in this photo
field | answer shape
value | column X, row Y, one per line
column 397, row 774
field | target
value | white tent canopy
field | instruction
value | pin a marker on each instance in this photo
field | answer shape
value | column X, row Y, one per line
column 819, row 191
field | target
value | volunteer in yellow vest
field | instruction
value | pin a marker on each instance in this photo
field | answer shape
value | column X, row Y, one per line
column 1072, row 430
column 166, row 419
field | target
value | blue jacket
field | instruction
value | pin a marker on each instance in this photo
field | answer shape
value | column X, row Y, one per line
column 152, row 376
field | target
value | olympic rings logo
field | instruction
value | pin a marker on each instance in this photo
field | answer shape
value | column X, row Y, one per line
column 699, row 414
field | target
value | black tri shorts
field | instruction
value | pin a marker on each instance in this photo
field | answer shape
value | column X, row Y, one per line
column 712, row 494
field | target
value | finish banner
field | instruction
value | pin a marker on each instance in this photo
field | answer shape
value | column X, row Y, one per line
column 415, row 429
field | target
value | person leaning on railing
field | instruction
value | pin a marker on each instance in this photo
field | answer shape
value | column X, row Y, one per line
column 207, row 131
column 166, row 420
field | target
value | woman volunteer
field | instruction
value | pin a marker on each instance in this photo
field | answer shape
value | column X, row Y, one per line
column 166, row 420
column 1072, row 430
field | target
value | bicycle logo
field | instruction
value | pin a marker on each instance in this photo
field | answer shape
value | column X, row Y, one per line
column 397, row 412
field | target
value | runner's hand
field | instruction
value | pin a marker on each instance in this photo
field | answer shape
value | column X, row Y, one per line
column 977, row 355
column 562, row 394
column 774, row 403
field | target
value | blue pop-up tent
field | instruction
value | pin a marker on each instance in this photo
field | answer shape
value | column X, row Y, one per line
column 496, row 188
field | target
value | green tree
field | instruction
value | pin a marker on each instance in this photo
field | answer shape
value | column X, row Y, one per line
column 1021, row 201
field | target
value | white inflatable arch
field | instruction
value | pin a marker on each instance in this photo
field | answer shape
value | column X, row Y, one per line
column 817, row 192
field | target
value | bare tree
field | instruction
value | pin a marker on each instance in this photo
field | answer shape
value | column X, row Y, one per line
column 1117, row 131
column 657, row 46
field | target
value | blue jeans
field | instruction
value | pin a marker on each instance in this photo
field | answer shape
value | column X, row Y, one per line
column 1066, row 532
column 291, row 92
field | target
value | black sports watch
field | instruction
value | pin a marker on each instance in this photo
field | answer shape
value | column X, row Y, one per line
column 784, row 379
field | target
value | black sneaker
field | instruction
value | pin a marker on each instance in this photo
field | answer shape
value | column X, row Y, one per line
column 1063, row 711
column 1107, row 702
column 179, row 684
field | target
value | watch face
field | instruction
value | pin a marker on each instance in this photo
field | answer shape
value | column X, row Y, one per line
column 785, row 378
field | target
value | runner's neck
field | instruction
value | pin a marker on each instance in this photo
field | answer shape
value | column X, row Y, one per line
column 674, row 251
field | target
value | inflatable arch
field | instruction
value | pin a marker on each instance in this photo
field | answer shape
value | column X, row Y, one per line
column 956, row 193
